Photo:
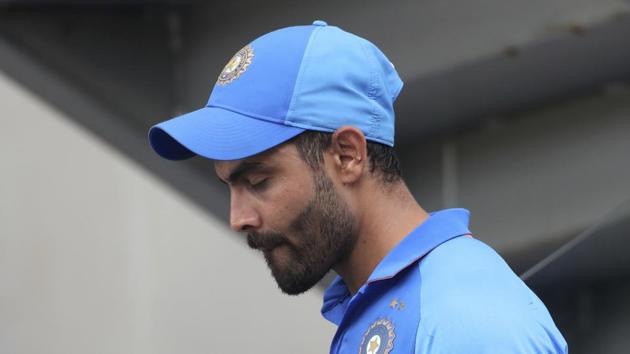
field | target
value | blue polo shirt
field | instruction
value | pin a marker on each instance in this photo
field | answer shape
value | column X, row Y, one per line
column 441, row 291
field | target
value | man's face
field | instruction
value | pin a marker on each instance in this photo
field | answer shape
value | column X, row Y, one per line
column 291, row 213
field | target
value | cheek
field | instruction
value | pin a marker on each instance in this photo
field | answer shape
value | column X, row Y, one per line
column 285, row 203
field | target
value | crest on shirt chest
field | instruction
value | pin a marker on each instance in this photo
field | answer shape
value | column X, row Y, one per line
column 378, row 339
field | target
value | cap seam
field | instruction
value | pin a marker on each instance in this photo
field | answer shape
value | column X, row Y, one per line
column 374, row 119
column 300, row 75
column 288, row 123
column 248, row 114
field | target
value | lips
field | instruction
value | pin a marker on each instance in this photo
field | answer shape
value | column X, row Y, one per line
column 268, row 247
column 265, row 242
column 268, row 251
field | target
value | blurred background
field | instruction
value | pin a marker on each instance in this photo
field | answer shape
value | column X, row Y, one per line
column 516, row 110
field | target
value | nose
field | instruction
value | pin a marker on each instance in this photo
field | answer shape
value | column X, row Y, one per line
column 243, row 216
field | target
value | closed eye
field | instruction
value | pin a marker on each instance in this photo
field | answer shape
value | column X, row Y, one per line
column 259, row 185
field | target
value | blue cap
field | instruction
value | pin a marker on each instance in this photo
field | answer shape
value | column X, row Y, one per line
column 316, row 77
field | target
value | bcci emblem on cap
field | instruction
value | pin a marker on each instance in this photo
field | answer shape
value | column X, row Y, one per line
column 236, row 66
column 378, row 339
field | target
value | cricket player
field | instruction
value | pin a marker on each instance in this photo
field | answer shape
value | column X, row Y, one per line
column 300, row 126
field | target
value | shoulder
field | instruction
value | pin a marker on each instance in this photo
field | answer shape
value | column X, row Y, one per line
column 472, row 301
column 465, row 265
column 469, row 281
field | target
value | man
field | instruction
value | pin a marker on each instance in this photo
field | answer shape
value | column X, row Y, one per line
column 301, row 127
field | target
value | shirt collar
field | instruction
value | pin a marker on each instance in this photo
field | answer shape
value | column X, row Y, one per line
column 440, row 227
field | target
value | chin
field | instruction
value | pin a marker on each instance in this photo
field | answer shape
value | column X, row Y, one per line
column 294, row 289
column 293, row 274
column 295, row 280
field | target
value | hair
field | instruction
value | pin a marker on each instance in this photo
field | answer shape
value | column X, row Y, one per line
column 382, row 158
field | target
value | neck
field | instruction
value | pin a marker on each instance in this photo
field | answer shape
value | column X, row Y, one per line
column 390, row 217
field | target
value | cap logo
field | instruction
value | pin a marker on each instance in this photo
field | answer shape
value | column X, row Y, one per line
column 236, row 66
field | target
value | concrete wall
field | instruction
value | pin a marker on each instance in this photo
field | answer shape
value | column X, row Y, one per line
column 547, row 173
column 532, row 180
column 98, row 256
column 511, row 167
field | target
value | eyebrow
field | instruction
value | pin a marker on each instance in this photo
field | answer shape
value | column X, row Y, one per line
column 242, row 169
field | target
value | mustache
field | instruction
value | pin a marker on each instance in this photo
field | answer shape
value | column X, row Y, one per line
column 265, row 240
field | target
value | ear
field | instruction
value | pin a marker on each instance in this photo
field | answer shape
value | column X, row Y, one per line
column 349, row 152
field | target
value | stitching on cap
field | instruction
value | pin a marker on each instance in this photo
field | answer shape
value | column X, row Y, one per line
column 248, row 114
column 300, row 76
column 372, row 90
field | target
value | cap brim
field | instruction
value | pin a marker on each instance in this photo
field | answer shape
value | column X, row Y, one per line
column 217, row 134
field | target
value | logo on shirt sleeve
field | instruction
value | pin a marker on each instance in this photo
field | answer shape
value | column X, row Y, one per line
column 378, row 339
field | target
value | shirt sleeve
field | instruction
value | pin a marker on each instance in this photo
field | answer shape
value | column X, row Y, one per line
column 482, row 336
column 473, row 303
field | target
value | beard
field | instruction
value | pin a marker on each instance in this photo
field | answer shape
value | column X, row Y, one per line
column 327, row 233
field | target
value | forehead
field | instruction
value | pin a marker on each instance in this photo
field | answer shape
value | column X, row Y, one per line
column 283, row 155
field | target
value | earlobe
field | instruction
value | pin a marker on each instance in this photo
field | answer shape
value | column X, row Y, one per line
column 350, row 150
